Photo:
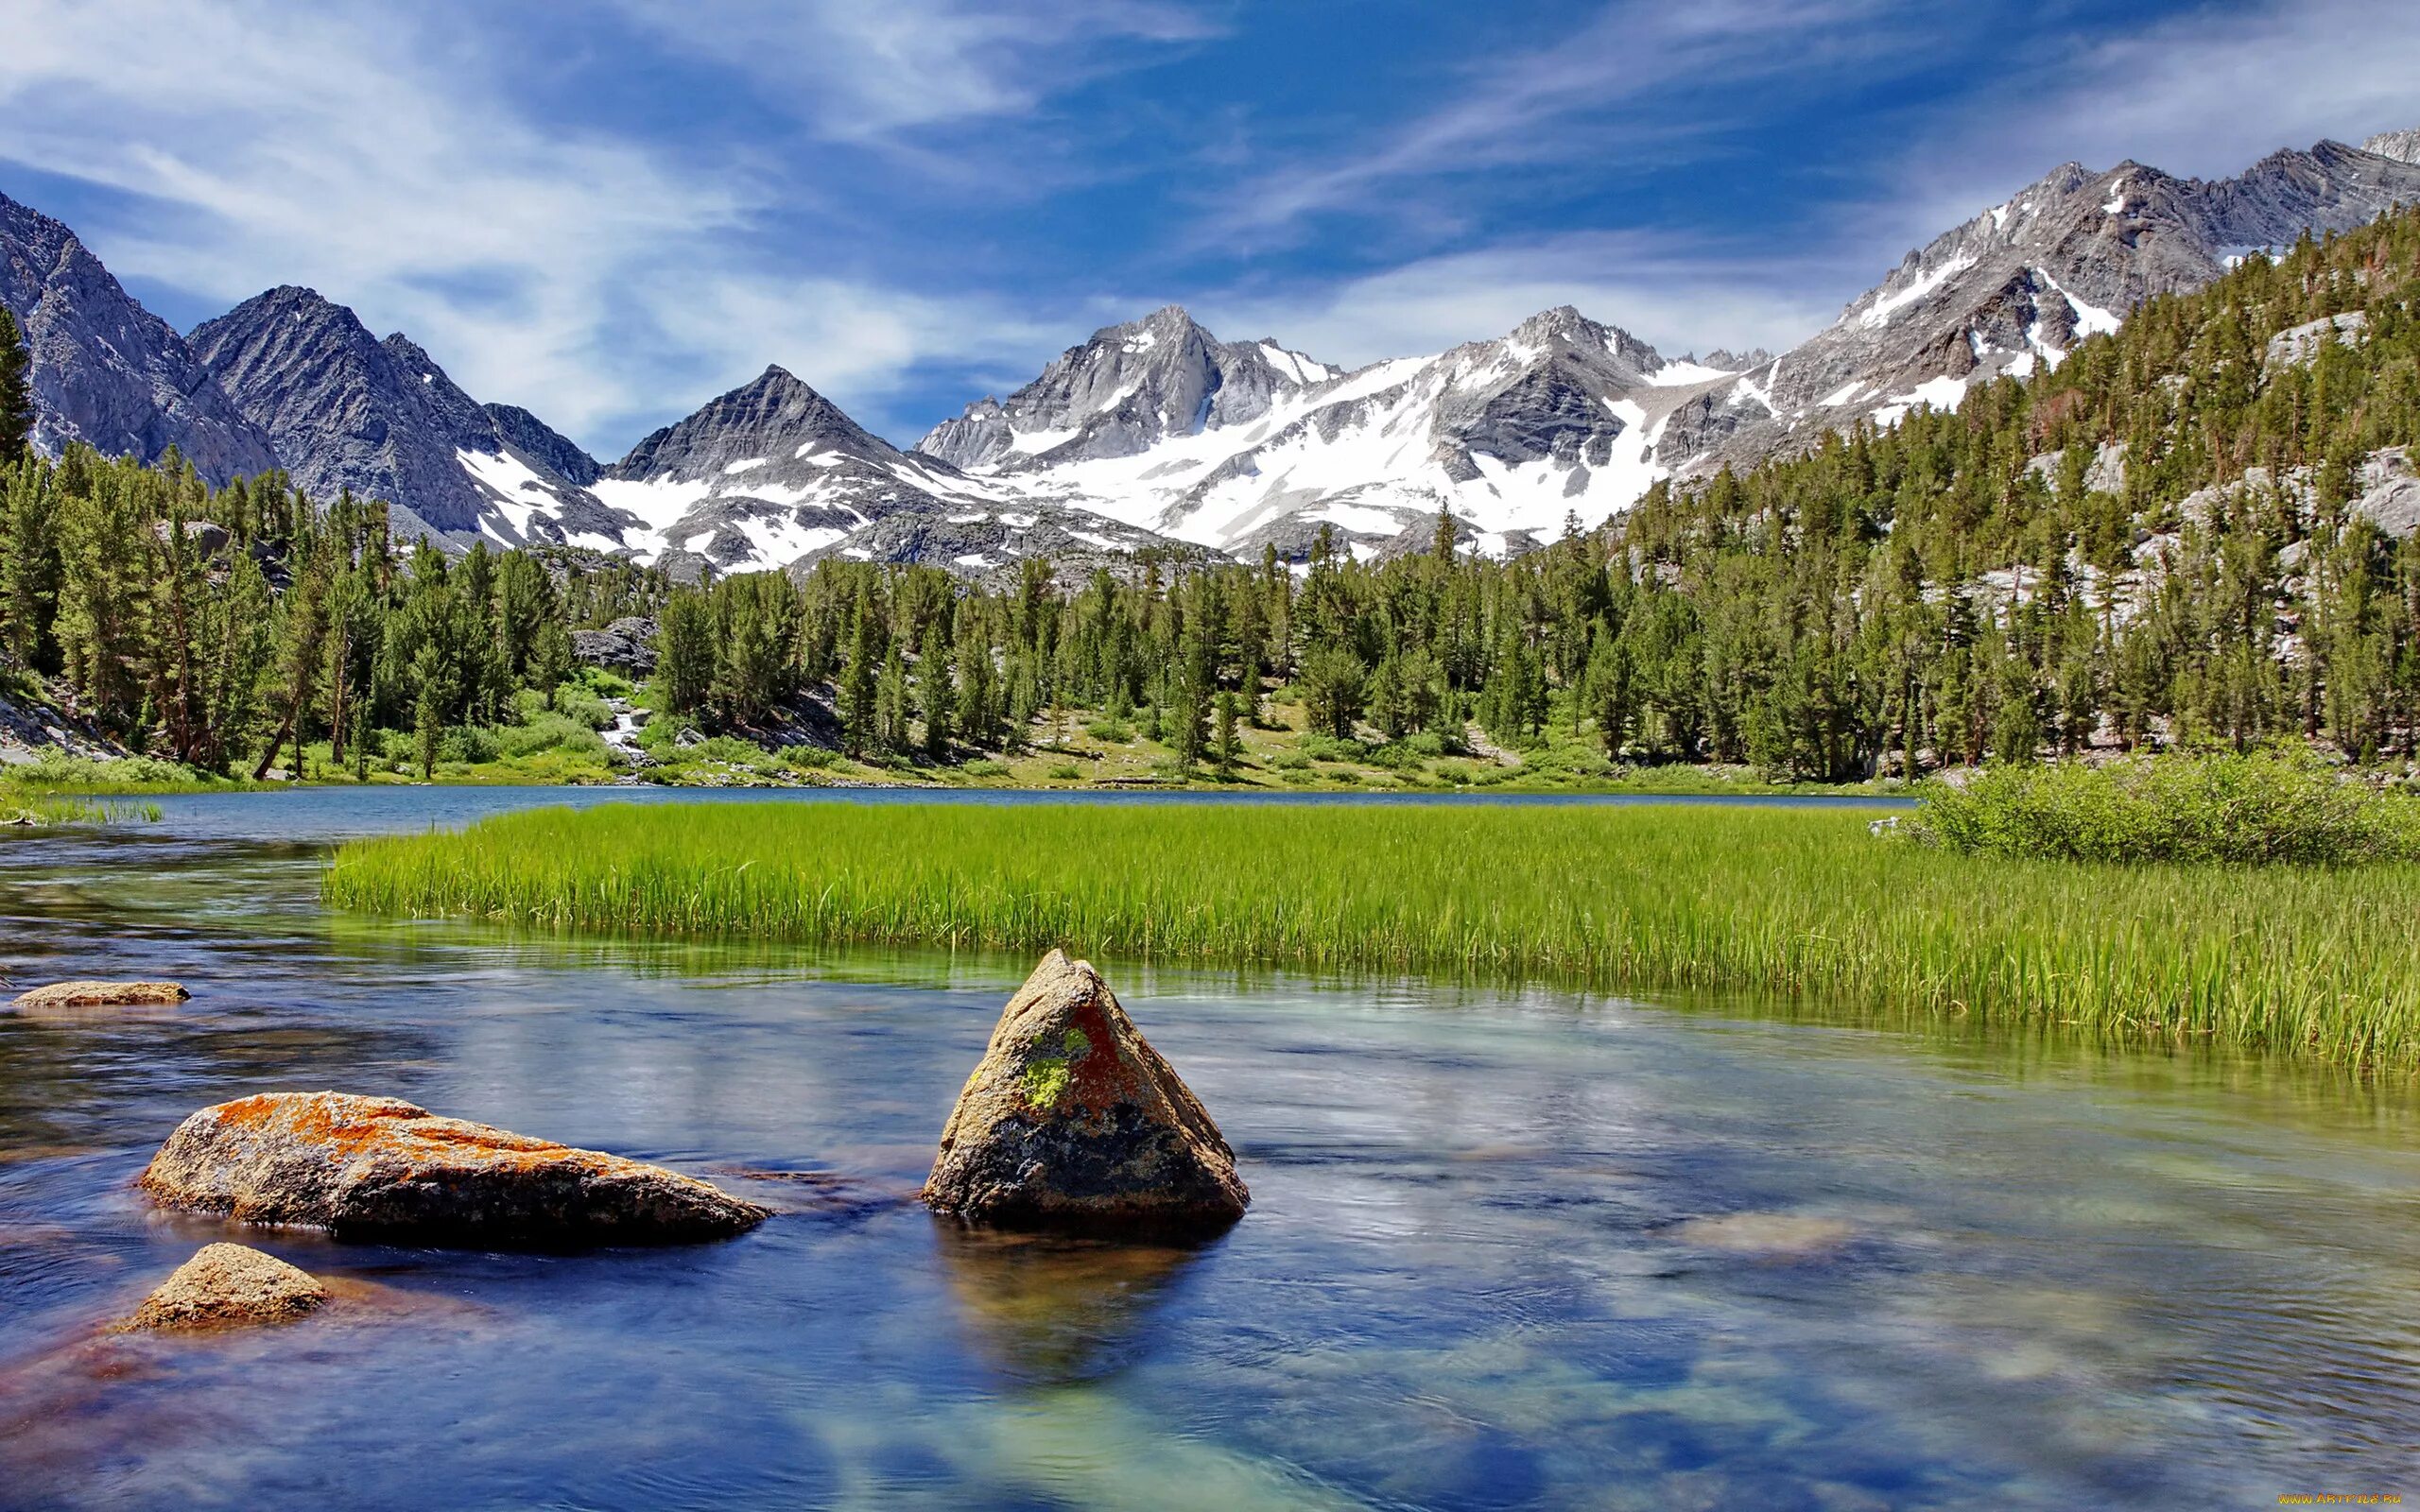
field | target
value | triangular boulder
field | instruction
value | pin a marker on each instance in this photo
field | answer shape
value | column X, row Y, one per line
column 1073, row 1119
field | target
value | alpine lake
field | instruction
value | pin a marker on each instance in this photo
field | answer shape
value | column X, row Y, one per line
column 1506, row 1248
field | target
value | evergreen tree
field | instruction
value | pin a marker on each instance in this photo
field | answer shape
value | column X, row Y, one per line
column 16, row 390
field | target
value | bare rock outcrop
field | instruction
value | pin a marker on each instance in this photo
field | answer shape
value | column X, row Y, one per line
column 228, row 1286
column 380, row 1167
column 102, row 995
column 1072, row 1119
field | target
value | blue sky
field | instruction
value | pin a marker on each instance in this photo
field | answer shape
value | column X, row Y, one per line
column 611, row 212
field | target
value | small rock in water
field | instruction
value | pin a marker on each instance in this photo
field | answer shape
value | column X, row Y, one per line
column 102, row 995
column 1073, row 1119
column 1767, row 1236
column 228, row 1286
column 381, row 1167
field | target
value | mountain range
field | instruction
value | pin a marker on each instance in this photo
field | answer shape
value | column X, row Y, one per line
column 1154, row 433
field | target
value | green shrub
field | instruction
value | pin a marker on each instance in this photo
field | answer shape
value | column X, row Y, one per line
column 1110, row 731
column 1064, row 772
column 573, row 701
column 730, row 750
column 469, row 745
column 604, row 683
column 660, row 736
column 1569, row 760
column 2226, row 809
column 1298, row 776
column 1290, row 761
column 985, row 766
column 810, row 758
column 55, row 771
column 1320, row 747
column 552, row 732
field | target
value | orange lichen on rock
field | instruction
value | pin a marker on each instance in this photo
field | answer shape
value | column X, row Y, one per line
column 1072, row 1118
column 380, row 1166
column 102, row 995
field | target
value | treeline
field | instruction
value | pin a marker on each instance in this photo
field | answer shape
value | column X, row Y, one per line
column 2152, row 543
column 221, row 627
column 2022, row 577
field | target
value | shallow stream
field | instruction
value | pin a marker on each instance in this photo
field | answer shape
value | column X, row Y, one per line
column 1507, row 1250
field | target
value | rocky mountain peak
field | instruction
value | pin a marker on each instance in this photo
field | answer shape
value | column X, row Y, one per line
column 2402, row 147
column 106, row 372
column 379, row 418
column 1730, row 361
column 772, row 416
column 1565, row 324
column 1121, row 392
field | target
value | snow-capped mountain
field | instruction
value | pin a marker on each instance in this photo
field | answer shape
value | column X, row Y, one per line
column 1559, row 417
column 107, row 372
column 1156, row 432
column 346, row 410
column 774, row 474
column 1124, row 391
column 2024, row 281
column 1238, row 445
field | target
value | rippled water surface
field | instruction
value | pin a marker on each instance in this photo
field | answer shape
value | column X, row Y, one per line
column 1505, row 1249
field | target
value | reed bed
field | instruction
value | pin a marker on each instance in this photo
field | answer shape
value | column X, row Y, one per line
column 2321, row 962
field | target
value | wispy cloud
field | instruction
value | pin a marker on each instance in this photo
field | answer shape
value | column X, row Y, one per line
column 2205, row 92
column 1570, row 100
column 856, row 71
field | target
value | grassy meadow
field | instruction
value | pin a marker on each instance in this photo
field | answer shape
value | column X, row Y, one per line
column 2316, row 961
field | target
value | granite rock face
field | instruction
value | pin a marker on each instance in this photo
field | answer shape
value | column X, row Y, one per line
column 627, row 644
column 107, row 372
column 380, row 1167
column 2403, row 146
column 1073, row 1120
column 347, row 410
column 228, row 1286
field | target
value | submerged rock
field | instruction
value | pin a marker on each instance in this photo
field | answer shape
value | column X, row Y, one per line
column 102, row 995
column 381, row 1167
column 1073, row 1119
column 228, row 1286
column 1767, row 1236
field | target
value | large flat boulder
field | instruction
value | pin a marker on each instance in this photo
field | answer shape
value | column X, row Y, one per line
column 1073, row 1120
column 380, row 1167
column 228, row 1286
column 102, row 995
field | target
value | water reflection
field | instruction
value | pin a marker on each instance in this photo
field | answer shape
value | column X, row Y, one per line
column 1050, row 1310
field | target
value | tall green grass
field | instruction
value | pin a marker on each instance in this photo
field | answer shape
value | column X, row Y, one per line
column 2324, row 962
